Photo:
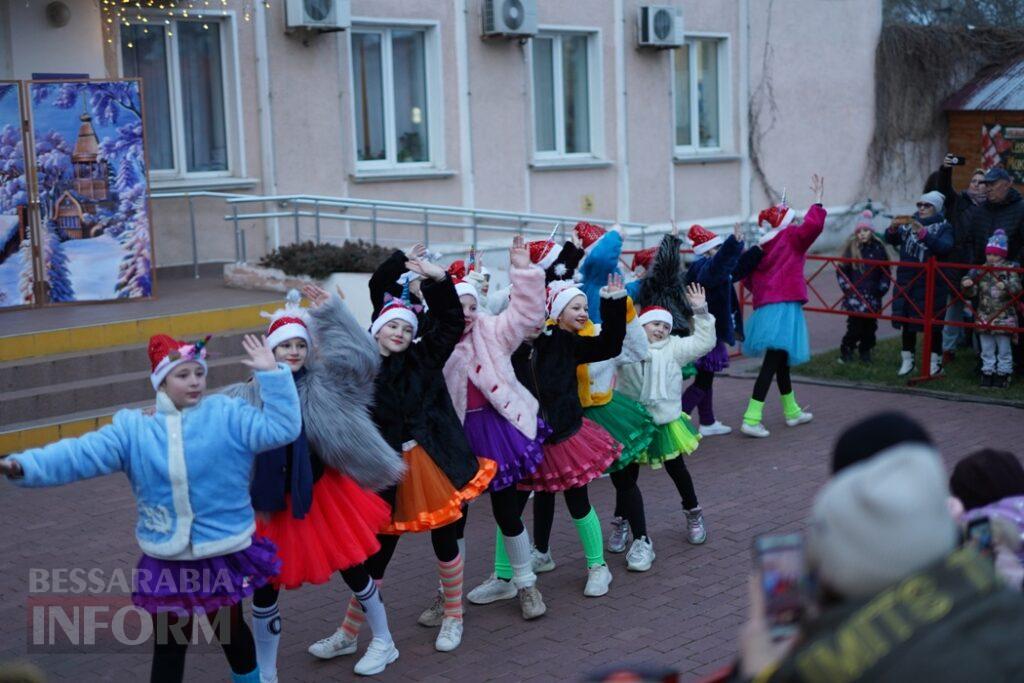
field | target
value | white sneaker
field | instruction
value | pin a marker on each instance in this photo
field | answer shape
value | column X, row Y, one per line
column 334, row 645
column 598, row 579
column 619, row 536
column 450, row 635
column 640, row 555
column 716, row 429
column 936, row 364
column 433, row 615
column 492, row 590
column 906, row 363
column 542, row 562
column 377, row 657
column 268, row 676
column 757, row 431
column 531, row 603
column 803, row 418
column 696, row 532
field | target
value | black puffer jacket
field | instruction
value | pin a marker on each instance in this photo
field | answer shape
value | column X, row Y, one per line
column 412, row 400
column 961, row 211
column 1008, row 215
column 547, row 366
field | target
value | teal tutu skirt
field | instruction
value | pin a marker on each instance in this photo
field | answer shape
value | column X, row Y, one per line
column 628, row 422
column 778, row 326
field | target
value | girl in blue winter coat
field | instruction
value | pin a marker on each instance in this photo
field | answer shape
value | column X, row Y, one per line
column 864, row 286
column 925, row 235
column 189, row 466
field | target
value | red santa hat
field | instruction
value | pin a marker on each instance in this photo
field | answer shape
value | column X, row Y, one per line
column 457, row 270
column 655, row 314
column 589, row 234
column 395, row 309
column 702, row 239
column 775, row 217
column 463, row 288
column 290, row 322
column 167, row 353
column 544, row 253
column 644, row 257
column 560, row 293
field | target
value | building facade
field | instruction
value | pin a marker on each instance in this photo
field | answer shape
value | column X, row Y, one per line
column 412, row 104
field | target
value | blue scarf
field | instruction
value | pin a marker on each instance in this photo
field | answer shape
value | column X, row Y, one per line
column 268, row 487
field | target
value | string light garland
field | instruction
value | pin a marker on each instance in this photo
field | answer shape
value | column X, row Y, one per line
column 118, row 13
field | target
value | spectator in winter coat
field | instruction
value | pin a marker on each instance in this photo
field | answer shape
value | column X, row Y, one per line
column 1004, row 209
column 923, row 236
column 863, row 287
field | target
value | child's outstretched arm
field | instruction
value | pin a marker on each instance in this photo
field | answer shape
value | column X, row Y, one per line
column 525, row 312
column 814, row 219
column 607, row 344
column 92, row 455
column 279, row 422
column 341, row 344
column 702, row 339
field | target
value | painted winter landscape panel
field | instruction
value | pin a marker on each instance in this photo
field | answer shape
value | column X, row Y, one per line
column 90, row 163
column 15, row 262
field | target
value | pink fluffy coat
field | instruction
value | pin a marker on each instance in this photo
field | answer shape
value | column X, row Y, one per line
column 779, row 277
column 484, row 356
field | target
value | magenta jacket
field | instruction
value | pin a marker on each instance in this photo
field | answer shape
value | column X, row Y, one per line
column 779, row 277
column 484, row 356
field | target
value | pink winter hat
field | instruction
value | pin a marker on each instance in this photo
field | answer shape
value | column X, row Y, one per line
column 865, row 222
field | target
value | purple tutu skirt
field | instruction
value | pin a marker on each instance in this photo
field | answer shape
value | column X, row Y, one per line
column 715, row 360
column 206, row 585
column 493, row 437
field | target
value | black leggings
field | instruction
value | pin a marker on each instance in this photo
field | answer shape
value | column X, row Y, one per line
column 704, row 379
column 910, row 339
column 676, row 468
column 576, row 500
column 444, row 540
column 776, row 364
column 356, row 578
column 629, row 502
column 173, row 634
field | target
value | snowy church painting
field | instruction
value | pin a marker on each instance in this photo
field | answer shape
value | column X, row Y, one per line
column 94, row 214
column 16, row 276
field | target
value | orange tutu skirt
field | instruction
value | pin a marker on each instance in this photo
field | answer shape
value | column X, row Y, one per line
column 575, row 462
column 339, row 531
column 425, row 499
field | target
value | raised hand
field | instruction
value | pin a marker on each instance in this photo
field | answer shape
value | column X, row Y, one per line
column 737, row 231
column 416, row 251
column 818, row 187
column 340, row 291
column 518, row 254
column 426, row 269
column 695, row 295
column 10, row 468
column 261, row 357
column 675, row 229
column 316, row 295
column 614, row 283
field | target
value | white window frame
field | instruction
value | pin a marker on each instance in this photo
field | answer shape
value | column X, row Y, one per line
column 595, row 89
column 725, row 133
column 435, row 97
column 177, row 176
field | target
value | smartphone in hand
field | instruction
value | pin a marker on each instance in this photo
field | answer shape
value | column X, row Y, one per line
column 782, row 573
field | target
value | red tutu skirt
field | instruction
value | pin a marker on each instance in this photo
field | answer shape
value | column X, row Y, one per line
column 339, row 531
column 575, row 462
column 426, row 498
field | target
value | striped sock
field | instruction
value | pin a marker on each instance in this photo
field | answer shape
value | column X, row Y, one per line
column 451, row 584
column 354, row 618
column 373, row 608
column 266, row 627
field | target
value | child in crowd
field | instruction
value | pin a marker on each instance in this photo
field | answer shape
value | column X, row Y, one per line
column 189, row 465
column 863, row 287
column 927, row 234
column 657, row 383
column 996, row 291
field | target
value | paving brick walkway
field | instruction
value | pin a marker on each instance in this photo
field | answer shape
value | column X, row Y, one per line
column 683, row 613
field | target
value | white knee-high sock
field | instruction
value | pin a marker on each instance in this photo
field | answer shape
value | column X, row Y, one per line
column 373, row 607
column 520, row 557
column 266, row 631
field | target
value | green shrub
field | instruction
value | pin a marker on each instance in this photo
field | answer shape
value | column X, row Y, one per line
column 320, row 260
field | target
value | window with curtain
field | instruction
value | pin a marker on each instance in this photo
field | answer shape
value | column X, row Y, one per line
column 181, row 65
column 391, row 96
column 699, row 98
column 561, row 94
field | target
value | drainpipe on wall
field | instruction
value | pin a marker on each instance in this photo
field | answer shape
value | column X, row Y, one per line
column 465, row 119
column 744, row 86
column 268, row 168
column 622, row 144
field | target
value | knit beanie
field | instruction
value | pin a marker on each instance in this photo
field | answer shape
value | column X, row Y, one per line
column 997, row 244
column 934, row 198
column 881, row 520
column 865, row 222
column 874, row 434
column 987, row 476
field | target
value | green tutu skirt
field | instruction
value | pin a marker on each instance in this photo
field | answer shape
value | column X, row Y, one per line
column 628, row 422
column 671, row 440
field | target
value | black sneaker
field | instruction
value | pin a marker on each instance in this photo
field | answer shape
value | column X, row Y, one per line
column 1001, row 382
column 986, row 380
column 865, row 356
column 845, row 354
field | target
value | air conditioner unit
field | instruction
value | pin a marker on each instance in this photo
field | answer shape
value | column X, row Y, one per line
column 510, row 18
column 318, row 15
column 659, row 26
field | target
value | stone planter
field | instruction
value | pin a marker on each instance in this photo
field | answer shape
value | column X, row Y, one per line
column 354, row 285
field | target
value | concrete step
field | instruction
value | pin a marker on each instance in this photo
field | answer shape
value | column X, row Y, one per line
column 38, row 373
column 95, row 393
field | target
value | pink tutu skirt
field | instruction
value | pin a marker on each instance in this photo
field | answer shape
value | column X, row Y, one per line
column 574, row 462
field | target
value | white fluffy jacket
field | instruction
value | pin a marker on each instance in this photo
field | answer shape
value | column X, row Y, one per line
column 657, row 381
